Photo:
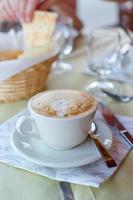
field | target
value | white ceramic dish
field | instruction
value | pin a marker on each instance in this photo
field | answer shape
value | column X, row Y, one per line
column 68, row 131
column 33, row 150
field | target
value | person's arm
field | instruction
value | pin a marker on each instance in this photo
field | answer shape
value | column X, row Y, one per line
column 71, row 4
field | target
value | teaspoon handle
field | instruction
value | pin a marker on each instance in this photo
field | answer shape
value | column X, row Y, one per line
column 110, row 162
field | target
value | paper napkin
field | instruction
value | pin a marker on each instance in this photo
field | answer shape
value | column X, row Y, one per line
column 93, row 174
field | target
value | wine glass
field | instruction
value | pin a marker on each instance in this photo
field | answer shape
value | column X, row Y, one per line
column 104, row 58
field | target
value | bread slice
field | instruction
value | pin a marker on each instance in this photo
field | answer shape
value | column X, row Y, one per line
column 40, row 30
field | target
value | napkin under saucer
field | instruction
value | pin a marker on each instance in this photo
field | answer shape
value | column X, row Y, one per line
column 93, row 174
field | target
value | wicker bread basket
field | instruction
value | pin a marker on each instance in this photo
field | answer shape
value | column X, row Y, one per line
column 26, row 83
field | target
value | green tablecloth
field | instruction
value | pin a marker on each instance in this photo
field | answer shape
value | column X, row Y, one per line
column 16, row 184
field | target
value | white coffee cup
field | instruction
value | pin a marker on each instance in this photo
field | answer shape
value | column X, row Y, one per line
column 55, row 132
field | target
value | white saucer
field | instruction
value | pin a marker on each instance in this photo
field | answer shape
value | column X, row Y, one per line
column 33, row 150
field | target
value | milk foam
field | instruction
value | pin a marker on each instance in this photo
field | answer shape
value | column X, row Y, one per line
column 60, row 106
column 62, row 103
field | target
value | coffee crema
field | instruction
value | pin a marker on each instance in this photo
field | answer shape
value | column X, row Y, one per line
column 62, row 103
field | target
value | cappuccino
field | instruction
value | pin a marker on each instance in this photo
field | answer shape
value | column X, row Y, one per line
column 61, row 119
column 62, row 103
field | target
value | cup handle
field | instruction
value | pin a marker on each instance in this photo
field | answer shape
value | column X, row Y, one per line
column 20, row 122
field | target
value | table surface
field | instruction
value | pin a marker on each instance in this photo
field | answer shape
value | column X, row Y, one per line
column 19, row 184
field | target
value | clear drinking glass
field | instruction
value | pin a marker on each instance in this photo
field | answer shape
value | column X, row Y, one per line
column 60, row 66
column 104, row 58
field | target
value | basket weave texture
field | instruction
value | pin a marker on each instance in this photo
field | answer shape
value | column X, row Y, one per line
column 27, row 83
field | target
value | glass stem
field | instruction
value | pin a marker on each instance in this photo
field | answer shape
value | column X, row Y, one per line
column 102, row 78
